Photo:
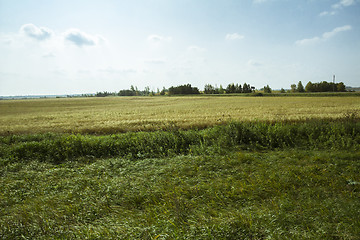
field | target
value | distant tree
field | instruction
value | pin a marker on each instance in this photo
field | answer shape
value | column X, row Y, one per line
column 231, row 88
column 341, row 87
column 163, row 91
column 221, row 89
column 132, row 88
column 300, row 87
column 267, row 89
column 147, row 90
column 183, row 89
column 246, row 88
column 126, row 92
column 104, row 94
column 325, row 87
column 282, row 90
column 309, row 87
column 209, row 89
column 293, row 87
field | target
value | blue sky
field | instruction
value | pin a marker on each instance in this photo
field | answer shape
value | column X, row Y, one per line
column 78, row 46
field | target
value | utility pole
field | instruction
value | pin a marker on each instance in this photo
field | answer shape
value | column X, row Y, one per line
column 334, row 83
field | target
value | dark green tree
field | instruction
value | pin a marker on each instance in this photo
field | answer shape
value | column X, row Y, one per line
column 341, row 87
column 247, row 88
column 309, row 87
column 267, row 89
column 300, row 87
column 209, row 89
column 231, row 88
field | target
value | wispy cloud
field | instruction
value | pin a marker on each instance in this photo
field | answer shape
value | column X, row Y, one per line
column 80, row 38
column 326, row 13
column 335, row 31
column 343, row 3
column 254, row 63
column 38, row 33
column 155, row 60
column 308, row 41
column 158, row 38
column 324, row 37
column 194, row 48
column 234, row 36
column 337, row 7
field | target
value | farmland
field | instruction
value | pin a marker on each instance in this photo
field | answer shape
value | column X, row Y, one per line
column 123, row 114
column 217, row 167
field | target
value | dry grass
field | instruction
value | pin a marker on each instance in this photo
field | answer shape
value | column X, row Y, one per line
column 122, row 114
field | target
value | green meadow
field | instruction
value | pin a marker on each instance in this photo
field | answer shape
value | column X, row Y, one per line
column 218, row 167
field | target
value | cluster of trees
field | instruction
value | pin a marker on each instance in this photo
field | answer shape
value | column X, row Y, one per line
column 237, row 88
column 183, row 89
column 297, row 88
column 319, row 87
column 325, row 87
column 133, row 91
column 267, row 89
column 231, row 88
column 105, row 93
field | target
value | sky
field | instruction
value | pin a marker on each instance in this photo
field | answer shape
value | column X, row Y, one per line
column 87, row 46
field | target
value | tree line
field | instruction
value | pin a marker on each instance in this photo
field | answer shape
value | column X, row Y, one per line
column 231, row 88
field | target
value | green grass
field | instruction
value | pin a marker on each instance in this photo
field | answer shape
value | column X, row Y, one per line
column 287, row 194
column 58, row 148
column 242, row 180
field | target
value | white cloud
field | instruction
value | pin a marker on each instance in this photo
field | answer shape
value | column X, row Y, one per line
column 335, row 31
column 48, row 55
column 38, row 33
column 338, row 6
column 325, row 36
column 254, row 63
column 308, row 41
column 155, row 61
column 234, row 36
column 158, row 38
column 80, row 38
column 326, row 13
column 196, row 49
column 343, row 3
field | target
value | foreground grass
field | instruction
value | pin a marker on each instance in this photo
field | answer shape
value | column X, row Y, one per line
column 124, row 114
column 285, row 194
column 243, row 180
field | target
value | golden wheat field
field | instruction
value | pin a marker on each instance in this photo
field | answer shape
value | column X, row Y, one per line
column 122, row 114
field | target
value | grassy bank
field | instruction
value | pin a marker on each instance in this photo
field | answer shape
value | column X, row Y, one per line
column 58, row 148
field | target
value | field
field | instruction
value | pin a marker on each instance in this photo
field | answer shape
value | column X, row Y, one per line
column 123, row 114
column 217, row 167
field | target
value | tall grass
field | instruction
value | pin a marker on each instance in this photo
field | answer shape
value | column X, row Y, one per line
column 291, row 194
column 58, row 148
